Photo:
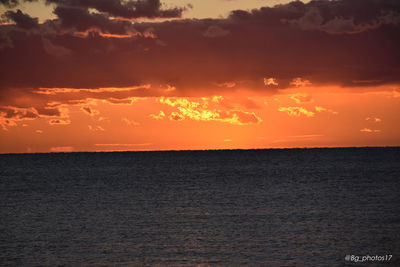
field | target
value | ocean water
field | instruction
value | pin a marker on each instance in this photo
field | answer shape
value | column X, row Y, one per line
column 289, row 207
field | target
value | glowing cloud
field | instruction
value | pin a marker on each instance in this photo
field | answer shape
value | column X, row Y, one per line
column 296, row 111
column 59, row 122
column 299, row 82
column 270, row 81
column 130, row 122
column 373, row 119
column 301, row 98
column 322, row 109
column 160, row 115
column 175, row 116
column 96, row 128
column 208, row 109
column 368, row 130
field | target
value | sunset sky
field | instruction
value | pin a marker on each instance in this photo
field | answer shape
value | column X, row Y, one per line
column 113, row 75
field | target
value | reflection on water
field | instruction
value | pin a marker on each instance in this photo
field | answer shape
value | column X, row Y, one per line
column 306, row 207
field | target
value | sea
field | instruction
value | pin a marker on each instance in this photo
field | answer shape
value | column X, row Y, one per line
column 272, row 207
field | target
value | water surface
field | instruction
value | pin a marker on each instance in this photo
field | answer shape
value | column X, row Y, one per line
column 304, row 207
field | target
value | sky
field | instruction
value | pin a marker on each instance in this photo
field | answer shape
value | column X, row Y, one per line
column 113, row 75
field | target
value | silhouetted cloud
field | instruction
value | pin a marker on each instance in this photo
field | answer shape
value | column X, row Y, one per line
column 215, row 31
column 82, row 20
column 292, row 45
column 90, row 111
column 21, row 19
column 15, row 113
column 46, row 111
column 9, row 3
column 125, row 9
column 13, row 3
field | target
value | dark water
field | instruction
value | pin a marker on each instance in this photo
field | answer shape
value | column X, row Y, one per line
column 299, row 207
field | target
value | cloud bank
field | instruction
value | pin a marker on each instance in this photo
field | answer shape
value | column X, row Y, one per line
column 104, row 44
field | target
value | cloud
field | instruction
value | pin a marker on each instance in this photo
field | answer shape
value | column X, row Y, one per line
column 159, row 116
column 18, row 113
column 9, row 116
column 9, row 3
column 296, row 111
column 227, row 84
column 82, row 20
column 322, row 109
column 299, row 82
column 373, row 119
column 13, row 3
column 5, row 123
column 130, row 122
column 243, row 117
column 5, row 40
column 90, row 111
column 207, row 109
column 22, row 20
column 368, row 130
column 59, row 122
column 96, row 128
column 215, row 31
column 261, row 50
column 124, row 8
column 175, row 116
column 123, row 101
column 270, row 81
column 57, row 51
column 51, row 98
column 301, row 98
column 340, row 17
column 48, row 111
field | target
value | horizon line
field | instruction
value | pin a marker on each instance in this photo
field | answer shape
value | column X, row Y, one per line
column 197, row 150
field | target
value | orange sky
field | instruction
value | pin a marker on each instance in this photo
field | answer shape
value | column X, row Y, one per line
column 278, row 77
column 297, row 117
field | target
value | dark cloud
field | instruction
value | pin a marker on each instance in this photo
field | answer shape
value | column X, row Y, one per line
column 5, row 40
column 56, row 51
column 315, row 19
column 9, row 3
column 13, row 3
column 215, row 31
column 46, row 111
column 82, row 20
column 324, row 42
column 87, row 110
column 21, row 19
column 12, row 113
column 124, row 9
